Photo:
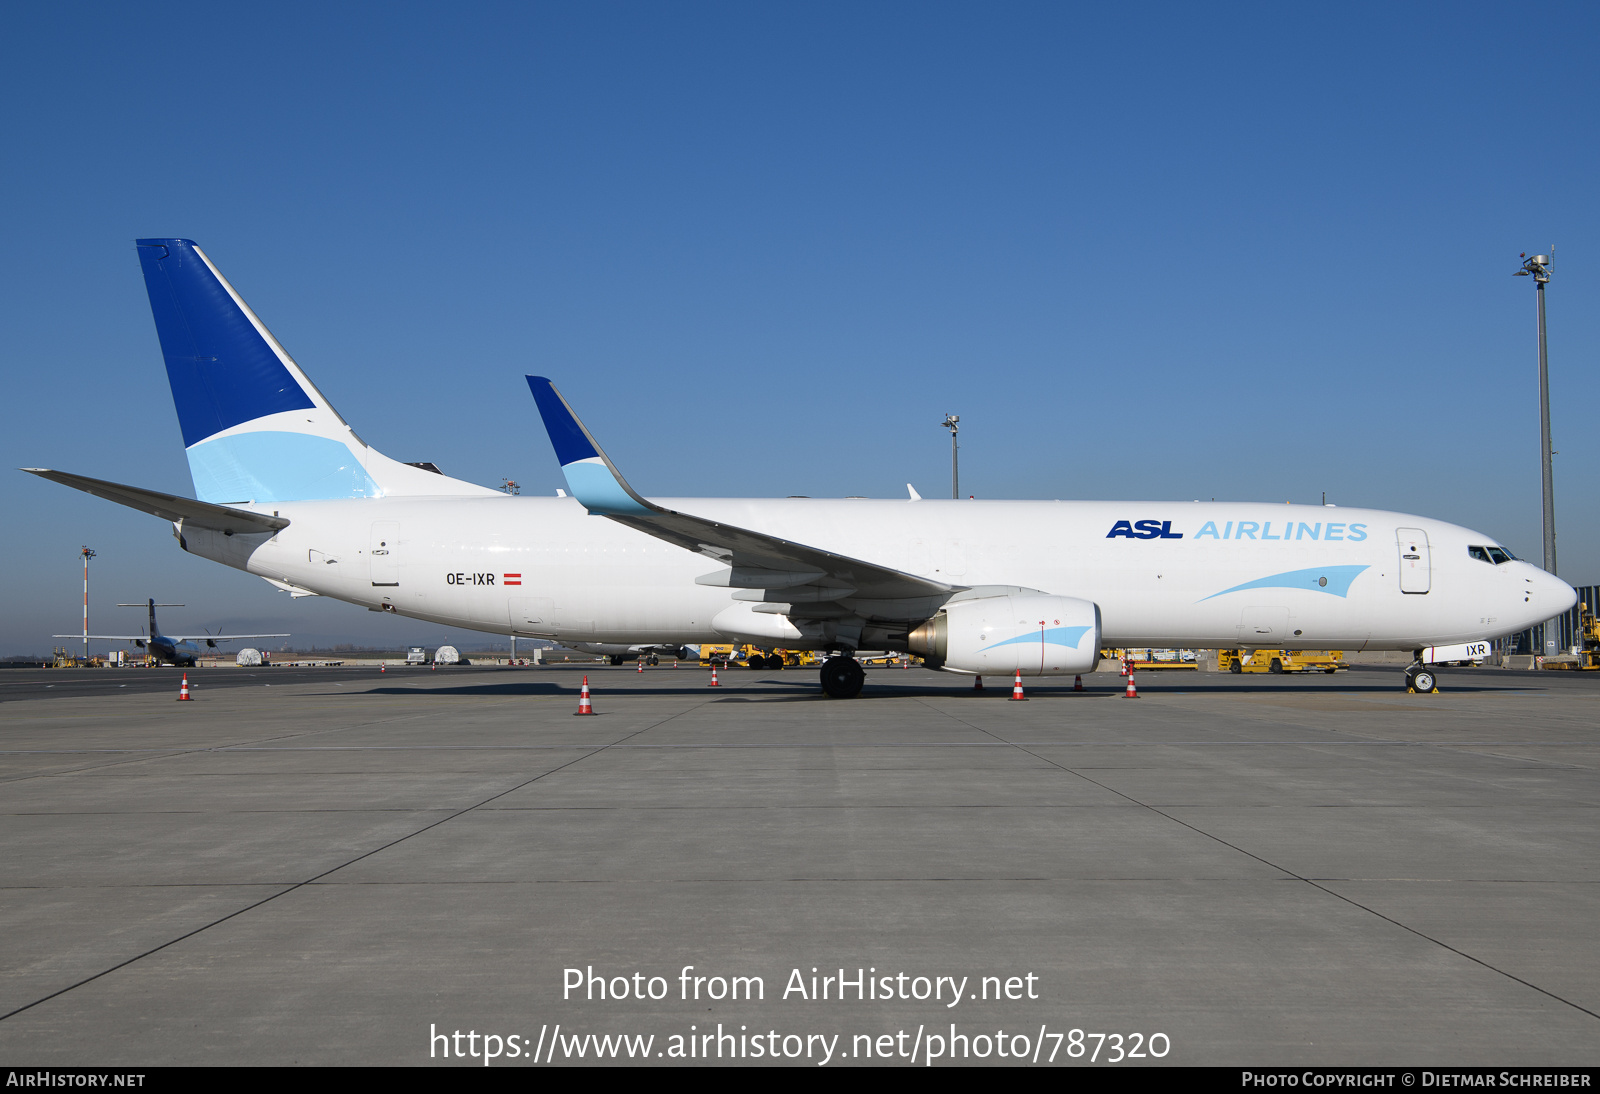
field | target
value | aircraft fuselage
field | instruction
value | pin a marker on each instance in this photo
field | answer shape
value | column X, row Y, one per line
column 1163, row 574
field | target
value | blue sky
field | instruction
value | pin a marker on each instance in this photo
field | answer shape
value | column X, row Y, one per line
column 1157, row 252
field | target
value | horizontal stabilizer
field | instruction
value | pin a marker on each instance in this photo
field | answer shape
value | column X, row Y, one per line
column 194, row 514
column 171, row 637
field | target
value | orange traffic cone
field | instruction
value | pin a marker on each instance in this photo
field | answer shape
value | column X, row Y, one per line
column 714, row 675
column 183, row 692
column 1016, row 690
column 584, row 706
column 641, row 664
column 977, row 683
column 383, row 666
column 1132, row 692
column 1077, row 683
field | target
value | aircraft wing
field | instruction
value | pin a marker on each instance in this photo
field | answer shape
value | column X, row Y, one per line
column 216, row 637
column 794, row 579
column 194, row 514
column 109, row 637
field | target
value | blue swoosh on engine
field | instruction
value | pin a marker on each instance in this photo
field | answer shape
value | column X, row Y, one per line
column 1060, row 636
column 1338, row 579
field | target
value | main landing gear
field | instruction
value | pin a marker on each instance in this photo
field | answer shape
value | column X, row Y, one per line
column 1421, row 679
column 842, row 677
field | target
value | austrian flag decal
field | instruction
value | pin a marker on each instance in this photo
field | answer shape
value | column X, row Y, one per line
column 511, row 579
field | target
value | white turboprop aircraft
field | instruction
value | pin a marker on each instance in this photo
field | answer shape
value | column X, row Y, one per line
column 289, row 492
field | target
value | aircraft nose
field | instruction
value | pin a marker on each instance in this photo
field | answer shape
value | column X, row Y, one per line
column 1555, row 595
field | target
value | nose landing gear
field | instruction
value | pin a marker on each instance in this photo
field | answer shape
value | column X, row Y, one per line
column 1421, row 680
column 842, row 677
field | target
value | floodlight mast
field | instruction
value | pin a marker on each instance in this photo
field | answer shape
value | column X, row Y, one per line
column 87, row 555
column 1538, row 268
column 950, row 421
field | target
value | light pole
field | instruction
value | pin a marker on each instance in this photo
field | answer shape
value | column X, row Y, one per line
column 950, row 421
column 87, row 555
column 1538, row 268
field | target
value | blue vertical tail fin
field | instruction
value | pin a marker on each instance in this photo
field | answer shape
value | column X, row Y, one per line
column 255, row 427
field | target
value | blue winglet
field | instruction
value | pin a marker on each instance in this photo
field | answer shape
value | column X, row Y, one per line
column 591, row 476
column 570, row 439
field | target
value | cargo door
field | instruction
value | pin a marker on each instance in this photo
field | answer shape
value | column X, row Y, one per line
column 384, row 553
column 1416, row 562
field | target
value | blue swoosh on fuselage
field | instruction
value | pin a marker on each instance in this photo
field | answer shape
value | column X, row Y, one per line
column 1338, row 581
column 1060, row 636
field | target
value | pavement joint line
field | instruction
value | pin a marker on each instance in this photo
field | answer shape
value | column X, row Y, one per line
column 155, row 753
column 765, row 808
column 1473, row 748
column 318, row 877
column 1062, row 879
column 1292, row 874
column 1468, row 747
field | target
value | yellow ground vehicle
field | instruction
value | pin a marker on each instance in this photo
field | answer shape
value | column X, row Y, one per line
column 1281, row 660
column 1588, row 656
column 725, row 655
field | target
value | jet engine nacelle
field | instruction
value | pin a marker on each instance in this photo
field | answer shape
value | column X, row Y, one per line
column 1035, row 635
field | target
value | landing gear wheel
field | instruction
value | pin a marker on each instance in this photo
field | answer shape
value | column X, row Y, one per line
column 1421, row 679
column 842, row 677
column 654, row 661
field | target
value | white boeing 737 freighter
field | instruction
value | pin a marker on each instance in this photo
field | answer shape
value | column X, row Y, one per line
column 287, row 491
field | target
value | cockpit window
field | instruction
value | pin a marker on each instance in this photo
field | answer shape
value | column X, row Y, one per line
column 1492, row 555
column 1479, row 553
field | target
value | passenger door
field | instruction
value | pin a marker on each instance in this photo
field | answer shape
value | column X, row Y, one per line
column 1416, row 561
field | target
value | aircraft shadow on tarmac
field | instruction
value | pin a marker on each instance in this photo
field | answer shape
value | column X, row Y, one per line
column 529, row 688
column 756, row 691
